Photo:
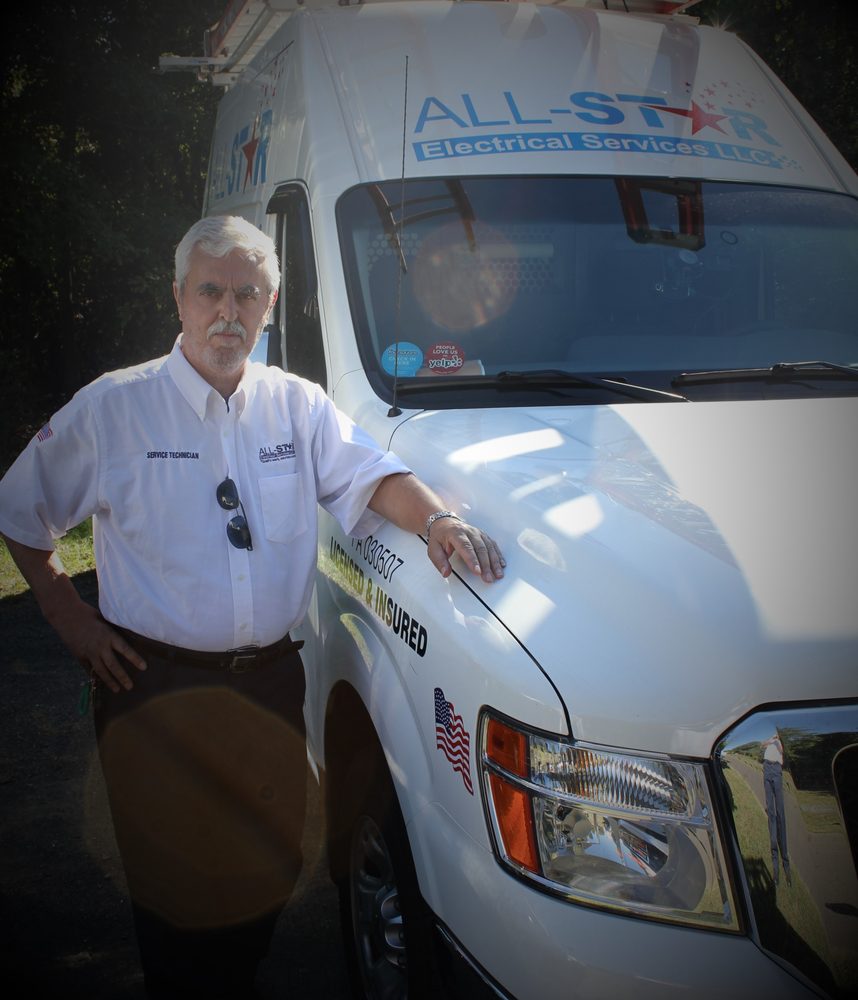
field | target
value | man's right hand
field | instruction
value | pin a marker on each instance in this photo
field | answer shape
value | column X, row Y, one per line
column 99, row 649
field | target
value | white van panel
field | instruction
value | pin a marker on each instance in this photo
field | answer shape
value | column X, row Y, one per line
column 650, row 97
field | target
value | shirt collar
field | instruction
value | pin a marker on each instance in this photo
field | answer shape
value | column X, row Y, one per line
column 194, row 388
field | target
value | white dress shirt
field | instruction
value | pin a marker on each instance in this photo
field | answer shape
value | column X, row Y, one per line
column 143, row 450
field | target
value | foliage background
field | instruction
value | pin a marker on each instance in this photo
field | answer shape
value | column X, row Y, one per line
column 102, row 171
column 103, row 163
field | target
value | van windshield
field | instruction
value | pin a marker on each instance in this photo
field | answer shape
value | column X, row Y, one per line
column 454, row 282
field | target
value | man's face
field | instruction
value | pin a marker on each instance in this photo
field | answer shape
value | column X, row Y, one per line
column 223, row 307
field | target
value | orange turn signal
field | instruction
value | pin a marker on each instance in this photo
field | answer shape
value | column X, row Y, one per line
column 515, row 822
column 507, row 747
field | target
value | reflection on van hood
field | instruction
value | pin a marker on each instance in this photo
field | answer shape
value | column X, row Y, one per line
column 703, row 557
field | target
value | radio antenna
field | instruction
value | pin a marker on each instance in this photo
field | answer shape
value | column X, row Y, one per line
column 394, row 410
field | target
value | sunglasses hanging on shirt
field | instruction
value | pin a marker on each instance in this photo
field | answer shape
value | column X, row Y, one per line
column 237, row 530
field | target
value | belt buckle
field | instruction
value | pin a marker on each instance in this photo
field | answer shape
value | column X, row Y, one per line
column 241, row 658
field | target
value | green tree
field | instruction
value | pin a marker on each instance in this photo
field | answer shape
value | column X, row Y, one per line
column 102, row 171
column 810, row 46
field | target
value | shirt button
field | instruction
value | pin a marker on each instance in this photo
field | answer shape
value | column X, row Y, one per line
column 242, row 577
column 243, row 627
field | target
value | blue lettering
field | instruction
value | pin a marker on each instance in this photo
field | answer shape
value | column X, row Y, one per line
column 510, row 100
column 488, row 144
column 597, row 113
column 745, row 125
column 446, row 114
column 429, row 150
column 650, row 115
column 472, row 113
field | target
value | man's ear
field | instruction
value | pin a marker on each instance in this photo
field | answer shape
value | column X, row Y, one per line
column 271, row 304
column 177, row 296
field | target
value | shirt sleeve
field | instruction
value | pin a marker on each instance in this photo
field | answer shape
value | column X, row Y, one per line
column 349, row 466
column 53, row 484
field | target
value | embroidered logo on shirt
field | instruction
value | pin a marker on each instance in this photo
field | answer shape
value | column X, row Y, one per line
column 276, row 452
column 45, row 433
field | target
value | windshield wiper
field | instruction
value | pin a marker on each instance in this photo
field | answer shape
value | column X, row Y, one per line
column 539, row 378
column 558, row 376
column 783, row 371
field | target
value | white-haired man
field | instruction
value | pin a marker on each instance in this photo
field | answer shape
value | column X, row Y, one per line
column 205, row 558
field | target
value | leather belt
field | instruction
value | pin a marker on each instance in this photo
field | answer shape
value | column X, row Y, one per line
column 236, row 660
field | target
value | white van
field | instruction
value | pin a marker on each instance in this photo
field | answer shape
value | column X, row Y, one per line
column 592, row 273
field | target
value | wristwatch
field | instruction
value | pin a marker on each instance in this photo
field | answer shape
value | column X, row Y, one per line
column 437, row 517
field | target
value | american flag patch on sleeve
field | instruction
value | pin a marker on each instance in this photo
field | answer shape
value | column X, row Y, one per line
column 452, row 739
column 45, row 433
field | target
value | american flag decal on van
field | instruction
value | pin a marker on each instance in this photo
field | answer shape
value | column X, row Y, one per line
column 452, row 739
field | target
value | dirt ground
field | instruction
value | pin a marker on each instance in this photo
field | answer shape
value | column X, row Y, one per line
column 64, row 911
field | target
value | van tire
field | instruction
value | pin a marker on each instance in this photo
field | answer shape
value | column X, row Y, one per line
column 387, row 928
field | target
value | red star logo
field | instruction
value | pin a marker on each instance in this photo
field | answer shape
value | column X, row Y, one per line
column 249, row 150
column 699, row 118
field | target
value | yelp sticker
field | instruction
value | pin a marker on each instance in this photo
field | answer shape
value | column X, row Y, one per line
column 444, row 358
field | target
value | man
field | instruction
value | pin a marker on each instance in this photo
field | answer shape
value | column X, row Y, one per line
column 773, row 766
column 206, row 559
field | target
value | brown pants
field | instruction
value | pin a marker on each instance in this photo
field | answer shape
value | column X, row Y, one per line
column 206, row 777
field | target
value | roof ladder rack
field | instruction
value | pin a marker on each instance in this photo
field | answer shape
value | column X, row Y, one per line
column 246, row 25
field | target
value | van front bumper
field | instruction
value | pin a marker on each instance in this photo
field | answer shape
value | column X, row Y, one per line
column 509, row 940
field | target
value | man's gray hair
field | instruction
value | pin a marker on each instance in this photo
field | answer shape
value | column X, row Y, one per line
column 219, row 235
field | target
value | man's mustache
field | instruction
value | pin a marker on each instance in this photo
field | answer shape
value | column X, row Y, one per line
column 222, row 326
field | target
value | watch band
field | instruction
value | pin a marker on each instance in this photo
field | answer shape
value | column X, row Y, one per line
column 437, row 517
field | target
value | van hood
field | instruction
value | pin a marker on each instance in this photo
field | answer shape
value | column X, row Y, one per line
column 670, row 566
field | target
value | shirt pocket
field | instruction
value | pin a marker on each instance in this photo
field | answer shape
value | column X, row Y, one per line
column 283, row 510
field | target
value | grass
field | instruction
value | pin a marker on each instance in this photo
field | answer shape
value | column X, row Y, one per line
column 795, row 904
column 75, row 550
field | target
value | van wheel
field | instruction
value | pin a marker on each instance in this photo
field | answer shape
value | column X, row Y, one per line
column 386, row 925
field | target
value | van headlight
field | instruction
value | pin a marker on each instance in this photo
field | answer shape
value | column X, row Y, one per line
column 621, row 831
